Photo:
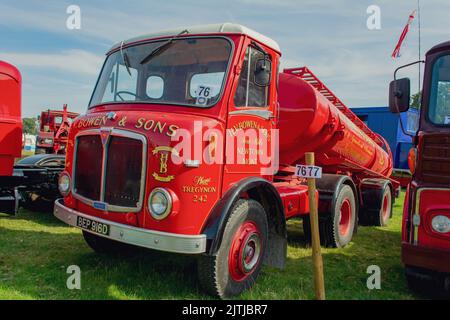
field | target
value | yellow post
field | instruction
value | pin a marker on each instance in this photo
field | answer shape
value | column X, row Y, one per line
column 315, row 238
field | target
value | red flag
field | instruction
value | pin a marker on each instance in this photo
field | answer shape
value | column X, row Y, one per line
column 396, row 52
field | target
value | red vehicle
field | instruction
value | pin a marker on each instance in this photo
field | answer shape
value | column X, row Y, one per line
column 10, row 117
column 54, row 130
column 426, row 217
column 35, row 175
column 133, row 176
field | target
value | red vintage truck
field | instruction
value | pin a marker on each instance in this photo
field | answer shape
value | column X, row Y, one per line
column 190, row 145
column 426, row 216
column 54, row 126
column 30, row 178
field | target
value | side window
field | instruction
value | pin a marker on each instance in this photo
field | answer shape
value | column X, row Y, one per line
column 155, row 87
column 248, row 93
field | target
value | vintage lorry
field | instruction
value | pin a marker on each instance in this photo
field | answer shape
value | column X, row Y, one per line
column 133, row 176
column 426, row 216
column 54, row 126
column 32, row 177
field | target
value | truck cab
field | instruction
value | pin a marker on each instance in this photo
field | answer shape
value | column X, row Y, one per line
column 426, row 220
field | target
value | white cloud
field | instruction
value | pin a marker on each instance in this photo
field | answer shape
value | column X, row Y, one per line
column 74, row 61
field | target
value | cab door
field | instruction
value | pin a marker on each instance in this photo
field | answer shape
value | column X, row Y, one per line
column 252, row 116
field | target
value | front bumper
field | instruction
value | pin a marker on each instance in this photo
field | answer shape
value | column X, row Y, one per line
column 427, row 258
column 164, row 241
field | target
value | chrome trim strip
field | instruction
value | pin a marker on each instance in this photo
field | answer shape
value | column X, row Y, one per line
column 117, row 133
column 416, row 217
column 265, row 114
column 164, row 241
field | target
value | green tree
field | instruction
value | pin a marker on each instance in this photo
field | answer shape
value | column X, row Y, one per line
column 415, row 100
column 29, row 125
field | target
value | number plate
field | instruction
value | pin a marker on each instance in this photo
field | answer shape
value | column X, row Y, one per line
column 308, row 171
column 93, row 226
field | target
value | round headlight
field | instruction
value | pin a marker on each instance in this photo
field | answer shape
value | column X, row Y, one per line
column 64, row 184
column 441, row 224
column 159, row 203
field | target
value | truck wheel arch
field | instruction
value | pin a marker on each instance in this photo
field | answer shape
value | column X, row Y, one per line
column 329, row 184
column 265, row 193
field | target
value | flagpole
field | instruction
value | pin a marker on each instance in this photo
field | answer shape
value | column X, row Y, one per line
column 420, row 55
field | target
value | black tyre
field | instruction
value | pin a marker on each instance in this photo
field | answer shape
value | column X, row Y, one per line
column 341, row 223
column 107, row 246
column 307, row 229
column 238, row 261
column 385, row 213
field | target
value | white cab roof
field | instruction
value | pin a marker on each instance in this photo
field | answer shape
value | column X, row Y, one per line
column 208, row 29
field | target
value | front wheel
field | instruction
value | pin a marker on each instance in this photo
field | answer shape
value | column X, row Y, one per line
column 237, row 263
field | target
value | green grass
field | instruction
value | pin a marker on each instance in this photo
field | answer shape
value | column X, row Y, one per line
column 36, row 249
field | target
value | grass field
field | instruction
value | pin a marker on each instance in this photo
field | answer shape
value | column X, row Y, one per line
column 36, row 249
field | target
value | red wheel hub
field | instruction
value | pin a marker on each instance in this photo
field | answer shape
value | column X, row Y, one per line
column 245, row 251
column 345, row 218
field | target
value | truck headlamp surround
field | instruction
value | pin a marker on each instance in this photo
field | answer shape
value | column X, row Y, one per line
column 441, row 224
column 160, row 203
column 64, row 183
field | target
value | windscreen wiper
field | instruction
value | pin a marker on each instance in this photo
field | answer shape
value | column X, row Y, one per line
column 161, row 47
column 125, row 59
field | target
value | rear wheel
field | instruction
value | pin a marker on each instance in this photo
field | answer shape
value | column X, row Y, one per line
column 385, row 212
column 341, row 224
column 237, row 263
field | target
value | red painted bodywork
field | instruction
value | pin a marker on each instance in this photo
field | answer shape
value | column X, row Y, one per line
column 305, row 122
column 421, row 245
column 428, row 193
column 10, row 117
column 56, row 131
column 310, row 122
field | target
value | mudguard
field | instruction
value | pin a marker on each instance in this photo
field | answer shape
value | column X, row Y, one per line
column 371, row 194
column 328, row 186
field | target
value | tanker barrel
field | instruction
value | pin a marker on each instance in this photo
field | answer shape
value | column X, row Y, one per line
column 309, row 121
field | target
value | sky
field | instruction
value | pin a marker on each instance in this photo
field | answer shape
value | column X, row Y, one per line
column 60, row 65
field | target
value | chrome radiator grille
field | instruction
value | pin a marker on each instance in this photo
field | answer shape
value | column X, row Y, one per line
column 109, row 169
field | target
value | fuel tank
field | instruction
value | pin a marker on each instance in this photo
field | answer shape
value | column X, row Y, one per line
column 10, row 117
column 309, row 122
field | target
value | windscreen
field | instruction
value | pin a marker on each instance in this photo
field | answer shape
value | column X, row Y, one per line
column 188, row 71
column 439, row 106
